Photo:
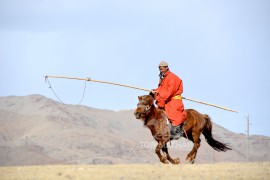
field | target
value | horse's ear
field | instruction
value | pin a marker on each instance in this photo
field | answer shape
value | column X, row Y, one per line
column 140, row 98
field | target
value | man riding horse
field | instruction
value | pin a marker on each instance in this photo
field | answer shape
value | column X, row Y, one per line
column 168, row 97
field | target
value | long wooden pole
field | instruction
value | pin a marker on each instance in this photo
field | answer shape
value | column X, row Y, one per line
column 133, row 87
column 105, row 82
column 201, row 102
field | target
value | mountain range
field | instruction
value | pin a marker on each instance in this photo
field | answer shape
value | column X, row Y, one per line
column 36, row 130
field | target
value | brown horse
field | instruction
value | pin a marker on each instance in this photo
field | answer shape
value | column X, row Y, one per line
column 156, row 120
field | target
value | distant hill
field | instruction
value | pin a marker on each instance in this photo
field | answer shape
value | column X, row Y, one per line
column 36, row 130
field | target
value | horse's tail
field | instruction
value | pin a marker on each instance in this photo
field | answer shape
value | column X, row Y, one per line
column 207, row 132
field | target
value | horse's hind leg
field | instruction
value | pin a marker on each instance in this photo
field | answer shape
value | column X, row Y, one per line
column 173, row 161
column 191, row 156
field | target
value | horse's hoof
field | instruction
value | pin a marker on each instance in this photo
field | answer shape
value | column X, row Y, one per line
column 190, row 161
column 176, row 161
column 164, row 160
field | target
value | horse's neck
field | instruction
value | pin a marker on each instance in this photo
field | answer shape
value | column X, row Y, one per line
column 151, row 115
column 151, row 122
column 157, row 122
column 152, row 119
column 151, row 125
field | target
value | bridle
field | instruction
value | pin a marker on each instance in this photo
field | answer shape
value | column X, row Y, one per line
column 146, row 108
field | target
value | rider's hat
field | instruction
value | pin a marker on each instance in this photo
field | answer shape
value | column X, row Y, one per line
column 163, row 63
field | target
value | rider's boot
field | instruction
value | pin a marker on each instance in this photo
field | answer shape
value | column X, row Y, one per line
column 176, row 132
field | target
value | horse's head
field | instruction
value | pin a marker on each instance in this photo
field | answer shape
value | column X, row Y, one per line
column 144, row 106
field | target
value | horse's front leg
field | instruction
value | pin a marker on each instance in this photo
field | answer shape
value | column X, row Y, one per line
column 191, row 156
column 173, row 161
column 162, row 158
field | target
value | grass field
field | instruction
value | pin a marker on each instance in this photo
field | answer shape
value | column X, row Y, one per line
column 257, row 170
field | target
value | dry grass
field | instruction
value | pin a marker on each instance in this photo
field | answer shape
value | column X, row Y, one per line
column 258, row 170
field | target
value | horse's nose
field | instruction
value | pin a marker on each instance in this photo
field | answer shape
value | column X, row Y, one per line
column 137, row 114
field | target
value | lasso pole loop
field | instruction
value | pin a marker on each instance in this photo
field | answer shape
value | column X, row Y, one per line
column 133, row 87
column 50, row 86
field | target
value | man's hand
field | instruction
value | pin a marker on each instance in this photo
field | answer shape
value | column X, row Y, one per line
column 153, row 91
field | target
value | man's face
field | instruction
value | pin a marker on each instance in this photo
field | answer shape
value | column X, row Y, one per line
column 162, row 69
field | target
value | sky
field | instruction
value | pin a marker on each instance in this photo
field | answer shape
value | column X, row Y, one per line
column 219, row 48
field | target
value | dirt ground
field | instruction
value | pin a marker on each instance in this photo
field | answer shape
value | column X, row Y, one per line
column 258, row 170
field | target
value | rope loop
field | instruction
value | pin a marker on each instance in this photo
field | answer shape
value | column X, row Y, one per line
column 50, row 86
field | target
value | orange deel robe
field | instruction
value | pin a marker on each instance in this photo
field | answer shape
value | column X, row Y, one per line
column 170, row 87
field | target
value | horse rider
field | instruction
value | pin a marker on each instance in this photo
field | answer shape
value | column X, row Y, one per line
column 168, row 97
